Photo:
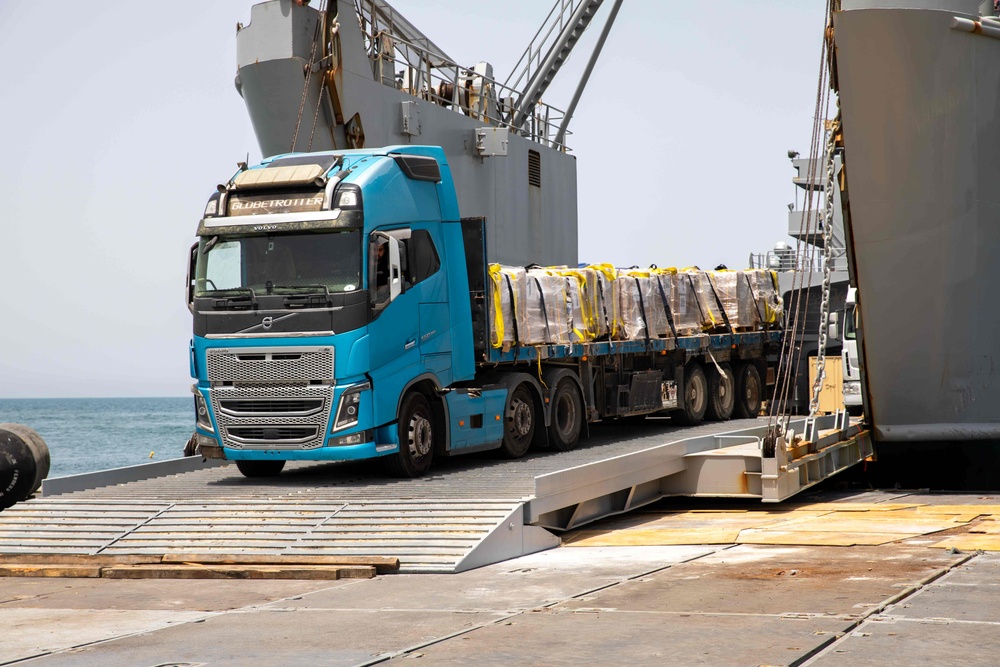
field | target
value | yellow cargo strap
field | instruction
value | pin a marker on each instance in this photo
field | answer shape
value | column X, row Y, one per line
column 610, row 274
column 589, row 320
column 496, row 277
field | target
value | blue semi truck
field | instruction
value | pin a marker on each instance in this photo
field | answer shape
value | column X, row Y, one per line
column 343, row 310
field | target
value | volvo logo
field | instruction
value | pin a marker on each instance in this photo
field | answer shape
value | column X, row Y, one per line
column 267, row 322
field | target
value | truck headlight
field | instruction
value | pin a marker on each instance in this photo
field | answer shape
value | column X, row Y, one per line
column 347, row 408
column 202, row 418
column 852, row 388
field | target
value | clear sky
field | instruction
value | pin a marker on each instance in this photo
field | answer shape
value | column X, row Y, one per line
column 119, row 118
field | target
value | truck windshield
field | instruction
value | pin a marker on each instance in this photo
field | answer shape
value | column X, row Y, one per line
column 290, row 263
column 851, row 324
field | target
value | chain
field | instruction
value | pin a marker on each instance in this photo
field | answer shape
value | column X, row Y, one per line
column 305, row 86
column 824, row 308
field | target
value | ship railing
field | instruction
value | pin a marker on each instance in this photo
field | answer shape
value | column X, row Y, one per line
column 810, row 261
column 429, row 75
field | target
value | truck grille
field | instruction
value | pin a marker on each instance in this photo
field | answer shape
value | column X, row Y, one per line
column 295, row 364
column 269, row 416
column 270, row 407
column 272, row 434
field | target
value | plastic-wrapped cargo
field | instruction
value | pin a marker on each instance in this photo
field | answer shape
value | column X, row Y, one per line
column 548, row 309
column 738, row 298
column 582, row 323
column 695, row 302
column 761, row 287
column 602, row 290
column 644, row 299
column 558, row 305
column 509, row 300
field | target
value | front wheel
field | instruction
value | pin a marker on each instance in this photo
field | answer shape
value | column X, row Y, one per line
column 260, row 468
column 567, row 417
column 416, row 439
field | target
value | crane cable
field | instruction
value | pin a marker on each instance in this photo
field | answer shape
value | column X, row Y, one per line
column 309, row 71
column 824, row 308
column 779, row 413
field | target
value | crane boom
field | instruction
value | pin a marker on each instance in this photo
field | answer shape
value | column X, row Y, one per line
column 558, row 53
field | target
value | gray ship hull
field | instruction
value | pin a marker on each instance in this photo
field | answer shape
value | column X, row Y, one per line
column 919, row 105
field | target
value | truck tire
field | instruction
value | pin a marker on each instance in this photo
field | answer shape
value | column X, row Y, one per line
column 520, row 418
column 260, row 468
column 24, row 463
column 695, row 397
column 749, row 391
column 36, row 445
column 721, row 393
column 416, row 439
column 567, row 416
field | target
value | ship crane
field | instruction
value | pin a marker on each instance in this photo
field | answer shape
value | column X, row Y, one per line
column 400, row 56
column 356, row 73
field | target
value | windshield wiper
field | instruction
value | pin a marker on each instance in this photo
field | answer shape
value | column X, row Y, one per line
column 305, row 297
column 235, row 301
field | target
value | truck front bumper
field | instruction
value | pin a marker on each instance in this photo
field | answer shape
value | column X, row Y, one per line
column 209, row 447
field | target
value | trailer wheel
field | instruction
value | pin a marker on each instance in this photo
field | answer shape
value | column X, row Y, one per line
column 749, row 391
column 695, row 397
column 416, row 438
column 721, row 393
column 567, row 417
column 519, row 423
column 260, row 468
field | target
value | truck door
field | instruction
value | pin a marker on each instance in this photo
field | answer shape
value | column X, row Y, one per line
column 393, row 332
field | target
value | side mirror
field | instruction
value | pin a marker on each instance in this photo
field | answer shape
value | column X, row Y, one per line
column 395, row 270
column 833, row 328
column 192, row 258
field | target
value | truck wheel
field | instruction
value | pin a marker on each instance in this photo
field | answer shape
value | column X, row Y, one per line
column 721, row 394
column 260, row 468
column 695, row 397
column 416, row 438
column 519, row 425
column 567, row 417
column 749, row 391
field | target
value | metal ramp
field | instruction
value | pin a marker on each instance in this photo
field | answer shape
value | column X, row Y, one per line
column 426, row 536
column 719, row 465
column 468, row 513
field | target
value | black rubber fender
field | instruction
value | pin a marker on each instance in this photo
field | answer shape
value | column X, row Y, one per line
column 24, row 463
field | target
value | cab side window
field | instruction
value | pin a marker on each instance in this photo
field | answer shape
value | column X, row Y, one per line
column 422, row 259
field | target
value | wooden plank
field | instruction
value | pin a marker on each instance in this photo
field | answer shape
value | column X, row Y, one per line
column 32, row 569
column 181, row 571
column 78, row 559
column 382, row 563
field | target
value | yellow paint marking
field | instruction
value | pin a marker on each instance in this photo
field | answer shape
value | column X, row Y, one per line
column 970, row 542
column 633, row 538
column 829, row 524
column 831, row 539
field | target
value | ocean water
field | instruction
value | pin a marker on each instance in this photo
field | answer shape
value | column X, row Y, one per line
column 88, row 434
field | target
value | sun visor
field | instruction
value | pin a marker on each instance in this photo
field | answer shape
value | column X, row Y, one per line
column 276, row 177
